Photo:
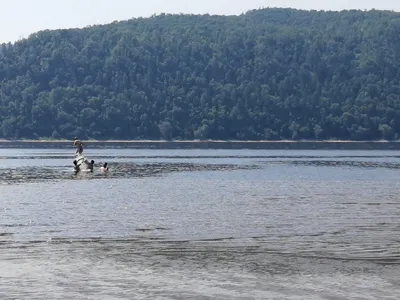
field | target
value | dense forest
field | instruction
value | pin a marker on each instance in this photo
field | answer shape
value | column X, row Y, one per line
column 268, row 74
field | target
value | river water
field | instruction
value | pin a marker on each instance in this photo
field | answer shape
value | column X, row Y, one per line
column 200, row 224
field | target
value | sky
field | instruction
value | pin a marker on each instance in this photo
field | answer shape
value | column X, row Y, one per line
column 20, row 18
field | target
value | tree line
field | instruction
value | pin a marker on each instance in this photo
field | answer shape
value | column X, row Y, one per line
column 268, row 74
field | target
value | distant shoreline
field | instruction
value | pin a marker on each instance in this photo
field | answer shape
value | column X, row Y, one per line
column 209, row 144
column 192, row 141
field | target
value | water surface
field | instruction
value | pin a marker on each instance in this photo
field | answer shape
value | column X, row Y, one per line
column 200, row 224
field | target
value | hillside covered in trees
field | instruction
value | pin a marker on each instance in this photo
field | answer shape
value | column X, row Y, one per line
column 267, row 74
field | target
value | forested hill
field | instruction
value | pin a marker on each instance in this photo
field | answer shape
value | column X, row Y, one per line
column 267, row 74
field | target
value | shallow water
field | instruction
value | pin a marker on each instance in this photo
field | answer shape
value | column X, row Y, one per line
column 200, row 224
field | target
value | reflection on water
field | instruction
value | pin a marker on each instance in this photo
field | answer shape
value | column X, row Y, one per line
column 215, row 225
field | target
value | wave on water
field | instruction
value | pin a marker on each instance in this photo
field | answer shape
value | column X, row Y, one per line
column 102, row 156
column 117, row 170
column 213, row 247
column 340, row 163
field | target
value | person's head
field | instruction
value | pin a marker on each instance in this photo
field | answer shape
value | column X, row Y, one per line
column 105, row 165
column 75, row 138
column 92, row 162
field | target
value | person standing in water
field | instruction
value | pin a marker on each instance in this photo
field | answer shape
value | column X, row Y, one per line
column 79, row 146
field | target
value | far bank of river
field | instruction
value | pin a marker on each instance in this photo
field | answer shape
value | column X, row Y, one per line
column 208, row 144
